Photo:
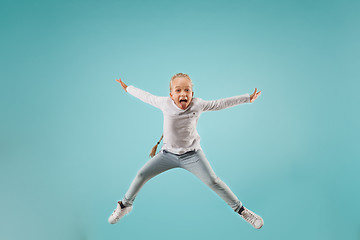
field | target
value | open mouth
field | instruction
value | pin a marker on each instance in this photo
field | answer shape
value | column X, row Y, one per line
column 183, row 103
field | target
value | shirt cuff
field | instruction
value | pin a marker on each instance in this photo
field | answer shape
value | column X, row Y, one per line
column 248, row 100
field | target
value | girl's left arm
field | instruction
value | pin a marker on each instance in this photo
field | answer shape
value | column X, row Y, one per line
column 254, row 95
column 215, row 105
column 223, row 103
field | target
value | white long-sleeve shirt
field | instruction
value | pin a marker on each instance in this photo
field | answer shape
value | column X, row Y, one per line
column 179, row 130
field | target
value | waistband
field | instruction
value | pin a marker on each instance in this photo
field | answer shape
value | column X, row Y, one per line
column 192, row 151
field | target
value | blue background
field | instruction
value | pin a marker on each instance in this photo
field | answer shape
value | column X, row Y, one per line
column 72, row 140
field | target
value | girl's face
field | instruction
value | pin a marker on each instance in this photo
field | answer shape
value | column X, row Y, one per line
column 181, row 92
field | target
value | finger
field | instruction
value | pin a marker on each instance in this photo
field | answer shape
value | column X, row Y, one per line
column 255, row 91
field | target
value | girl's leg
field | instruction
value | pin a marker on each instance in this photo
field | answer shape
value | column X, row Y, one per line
column 156, row 165
column 200, row 167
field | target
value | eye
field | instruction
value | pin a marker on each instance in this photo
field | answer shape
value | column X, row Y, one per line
column 177, row 90
column 187, row 90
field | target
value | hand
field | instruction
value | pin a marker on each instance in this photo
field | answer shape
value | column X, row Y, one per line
column 254, row 95
column 124, row 86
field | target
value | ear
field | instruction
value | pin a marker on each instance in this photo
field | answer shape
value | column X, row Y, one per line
column 192, row 93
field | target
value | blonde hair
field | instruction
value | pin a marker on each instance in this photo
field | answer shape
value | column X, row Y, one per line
column 178, row 75
column 153, row 150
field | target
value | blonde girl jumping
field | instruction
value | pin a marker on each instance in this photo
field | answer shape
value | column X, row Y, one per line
column 181, row 144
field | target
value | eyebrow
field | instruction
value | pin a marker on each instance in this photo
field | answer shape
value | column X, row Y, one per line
column 180, row 87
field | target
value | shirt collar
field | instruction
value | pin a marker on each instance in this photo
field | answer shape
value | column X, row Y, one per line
column 178, row 107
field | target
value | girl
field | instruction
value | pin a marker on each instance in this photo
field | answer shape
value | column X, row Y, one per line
column 181, row 144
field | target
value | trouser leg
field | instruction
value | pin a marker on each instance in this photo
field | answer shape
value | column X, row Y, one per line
column 156, row 165
column 201, row 168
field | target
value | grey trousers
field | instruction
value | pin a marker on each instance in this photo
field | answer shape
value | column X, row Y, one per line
column 193, row 161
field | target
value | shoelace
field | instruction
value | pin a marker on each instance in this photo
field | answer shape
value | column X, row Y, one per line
column 249, row 216
column 117, row 216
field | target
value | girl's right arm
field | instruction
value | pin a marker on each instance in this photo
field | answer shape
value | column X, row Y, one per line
column 124, row 86
column 144, row 96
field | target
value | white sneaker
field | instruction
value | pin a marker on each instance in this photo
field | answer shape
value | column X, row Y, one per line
column 119, row 213
column 255, row 220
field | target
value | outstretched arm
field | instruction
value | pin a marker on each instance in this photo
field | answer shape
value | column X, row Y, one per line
column 124, row 86
column 229, row 102
column 144, row 96
column 254, row 95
